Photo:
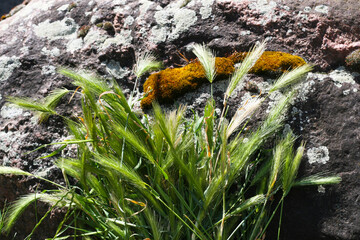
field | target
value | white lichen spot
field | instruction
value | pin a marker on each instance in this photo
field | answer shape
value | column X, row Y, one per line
column 244, row 33
column 129, row 20
column 48, row 70
column 346, row 92
column 7, row 66
column 321, row 189
column 318, row 155
column 115, row 70
column 206, row 9
column 55, row 52
column 287, row 8
column 63, row 29
column 307, row 9
column 355, row 90
column 322, row 9
column 340, row 76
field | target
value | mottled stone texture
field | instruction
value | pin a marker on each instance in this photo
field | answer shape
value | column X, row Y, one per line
column 44, row 34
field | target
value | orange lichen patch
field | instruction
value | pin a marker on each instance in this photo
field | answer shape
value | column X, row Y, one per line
column 172, row 82
column 166, row 85
column 272, row 63
column 4, row 17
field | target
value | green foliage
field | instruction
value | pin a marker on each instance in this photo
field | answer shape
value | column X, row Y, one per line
column 46, row 107
column 167, row 177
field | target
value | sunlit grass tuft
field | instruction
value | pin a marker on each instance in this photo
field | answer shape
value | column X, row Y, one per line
column 164, row 176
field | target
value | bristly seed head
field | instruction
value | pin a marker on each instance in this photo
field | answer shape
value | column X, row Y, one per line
column 146, row 63
column 207, row 60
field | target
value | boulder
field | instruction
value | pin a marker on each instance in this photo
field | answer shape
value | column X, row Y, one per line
column 105, row 36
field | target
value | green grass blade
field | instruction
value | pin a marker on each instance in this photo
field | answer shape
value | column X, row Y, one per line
column 318, row 180
column 31, row 105
column 14, row 171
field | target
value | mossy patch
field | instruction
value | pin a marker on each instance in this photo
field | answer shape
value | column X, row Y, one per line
column 83, row 31
column 168, row 84
column 353, row 60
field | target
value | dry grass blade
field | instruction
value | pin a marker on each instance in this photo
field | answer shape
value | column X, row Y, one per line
column 241, row 114
column 145, row 63
column 245, row 67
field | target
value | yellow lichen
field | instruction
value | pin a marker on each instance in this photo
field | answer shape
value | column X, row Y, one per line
column 272, row 63
column 166, row 85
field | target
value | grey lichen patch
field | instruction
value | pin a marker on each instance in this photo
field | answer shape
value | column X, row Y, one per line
column 7, row 142
column 7, row 66
column 115, row 70
column 265, row 8
column 172, row 21
column 94, row 38
column 48, row 70
column 63, row 29
column 55, row 52
column 340, row 76
column 123, row 38
column 318, row 155
column 304, row 89
column 74, row 45
column 11, row 111
column 129, row 20
column 206, row 9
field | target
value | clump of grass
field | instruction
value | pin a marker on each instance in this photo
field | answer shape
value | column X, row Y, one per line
column 171, row 177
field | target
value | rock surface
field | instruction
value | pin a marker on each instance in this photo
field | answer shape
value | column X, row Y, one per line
column 45, row 34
